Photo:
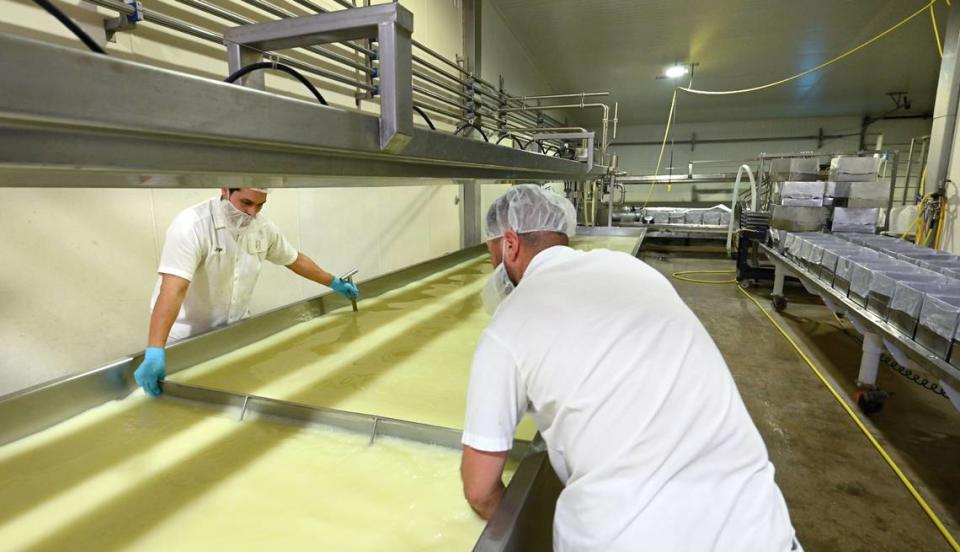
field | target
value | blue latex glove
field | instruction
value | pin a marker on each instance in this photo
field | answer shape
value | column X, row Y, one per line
column 151, row 371
column 344, row 288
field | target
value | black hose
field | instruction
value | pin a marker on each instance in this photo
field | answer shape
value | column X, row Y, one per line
column 474, row 126
column 68, row 23
column 279, row 67
column 425, row 118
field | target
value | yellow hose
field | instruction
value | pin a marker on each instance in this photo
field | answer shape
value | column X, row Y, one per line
column 663, row 147
column 863, row 428
column 936, row 31
column 824, row 65
column 941, row 224
column 836, row 395
column 682, row 276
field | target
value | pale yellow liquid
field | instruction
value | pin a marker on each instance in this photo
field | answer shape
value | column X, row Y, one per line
column 406, row 354
column 157, row 475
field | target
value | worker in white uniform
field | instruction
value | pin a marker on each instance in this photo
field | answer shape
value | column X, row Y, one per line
column 641, row 417
column 210, row 263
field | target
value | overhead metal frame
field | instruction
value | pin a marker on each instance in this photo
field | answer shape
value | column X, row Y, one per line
column 70, row 118
column 391, row 25
column 583, row 135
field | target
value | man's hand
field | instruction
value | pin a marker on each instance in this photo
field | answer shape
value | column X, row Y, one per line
column 346, row 289
column 482, row 474
column 304, row 266
column 151, row 371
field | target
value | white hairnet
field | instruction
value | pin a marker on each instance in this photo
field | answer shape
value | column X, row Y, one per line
column 528, row 208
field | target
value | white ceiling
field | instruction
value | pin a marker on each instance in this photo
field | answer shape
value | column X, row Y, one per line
column 621, row 46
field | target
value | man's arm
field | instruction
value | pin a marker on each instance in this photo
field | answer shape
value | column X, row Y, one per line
column 154, row 366
column 482, row 475
column 304, row 266
column 172, row 291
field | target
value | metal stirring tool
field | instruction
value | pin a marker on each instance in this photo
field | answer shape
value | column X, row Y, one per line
column 348, row 277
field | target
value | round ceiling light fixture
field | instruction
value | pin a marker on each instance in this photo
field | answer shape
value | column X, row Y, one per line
column 676, row 71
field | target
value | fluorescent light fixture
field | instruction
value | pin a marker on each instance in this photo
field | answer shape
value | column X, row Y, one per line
column 676, row 71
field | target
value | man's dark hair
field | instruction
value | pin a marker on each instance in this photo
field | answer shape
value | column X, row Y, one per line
column 544, row 239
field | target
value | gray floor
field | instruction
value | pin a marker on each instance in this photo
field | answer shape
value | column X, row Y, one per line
column 841, row 494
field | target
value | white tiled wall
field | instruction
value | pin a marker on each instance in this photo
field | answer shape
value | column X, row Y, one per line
column 79, row 264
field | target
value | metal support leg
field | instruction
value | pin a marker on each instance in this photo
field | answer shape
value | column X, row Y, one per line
column 870, row 360
column 779, row 274
column 470, row 214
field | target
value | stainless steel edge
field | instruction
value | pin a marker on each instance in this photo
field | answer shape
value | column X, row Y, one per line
column 616, row 231
column 251, row 407
column 613, row 231
column 523, row 521
column 41, row 406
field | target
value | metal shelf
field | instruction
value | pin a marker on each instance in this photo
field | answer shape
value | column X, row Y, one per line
column 916, row 352
column 70, row 118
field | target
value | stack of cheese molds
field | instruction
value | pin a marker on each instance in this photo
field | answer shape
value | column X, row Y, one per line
column 915, row 289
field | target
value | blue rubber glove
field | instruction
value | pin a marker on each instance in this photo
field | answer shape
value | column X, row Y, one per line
column 151, row 371
column 344, row 288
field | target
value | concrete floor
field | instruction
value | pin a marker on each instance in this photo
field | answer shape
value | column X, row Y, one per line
column 841, row 494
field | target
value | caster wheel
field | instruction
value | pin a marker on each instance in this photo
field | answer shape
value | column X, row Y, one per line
column 746, row 284
column 870, row 401
column 779, row 303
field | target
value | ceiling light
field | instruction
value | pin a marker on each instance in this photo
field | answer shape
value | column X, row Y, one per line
column 676, row 71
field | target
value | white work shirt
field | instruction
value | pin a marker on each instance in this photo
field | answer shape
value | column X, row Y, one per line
column 221, row 268
column 642, row 419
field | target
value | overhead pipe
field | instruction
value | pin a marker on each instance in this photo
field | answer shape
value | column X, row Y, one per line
column 733, row 203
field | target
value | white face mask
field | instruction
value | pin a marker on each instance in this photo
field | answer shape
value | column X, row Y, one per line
column 496, row 289
column 498, row 286
column 236, row 219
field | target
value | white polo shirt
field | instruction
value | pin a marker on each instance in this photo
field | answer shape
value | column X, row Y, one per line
column 222, row 269
column 642, row 419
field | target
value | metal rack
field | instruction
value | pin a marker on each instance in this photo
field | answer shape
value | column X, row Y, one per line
column 875, row 329
column 765, row 183
column 441, row 86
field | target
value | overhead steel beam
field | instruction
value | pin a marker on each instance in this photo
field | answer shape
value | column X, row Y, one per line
column 391, row 25
column 73, row 118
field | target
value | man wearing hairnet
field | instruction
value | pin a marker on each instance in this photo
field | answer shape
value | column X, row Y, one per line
column 211, row 260
column 641, row 417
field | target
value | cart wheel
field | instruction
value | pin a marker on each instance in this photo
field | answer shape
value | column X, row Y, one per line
column 870, row 401
column 779, row 303
column 746, row 284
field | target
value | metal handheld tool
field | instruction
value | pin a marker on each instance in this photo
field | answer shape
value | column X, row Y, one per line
column 348, row 277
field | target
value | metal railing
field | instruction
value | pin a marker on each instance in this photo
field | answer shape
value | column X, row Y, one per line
column 441, row 86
